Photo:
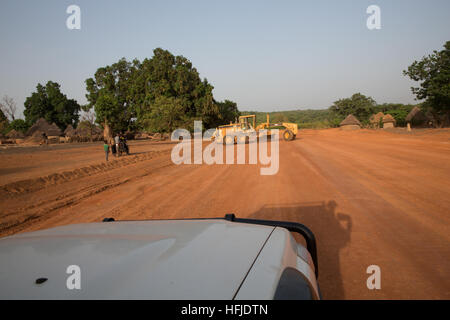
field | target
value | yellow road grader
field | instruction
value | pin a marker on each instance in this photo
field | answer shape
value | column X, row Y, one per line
column 241, row 131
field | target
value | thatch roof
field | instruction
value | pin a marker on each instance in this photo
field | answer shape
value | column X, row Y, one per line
column 388, row 118
column 415, row 112
column 13, row 134
column 350, row 120
column 85, row 131
column 70, row 131
column 375, row 118
column 44, row 127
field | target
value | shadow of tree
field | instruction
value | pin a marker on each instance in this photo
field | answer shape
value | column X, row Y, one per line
column 332, row 231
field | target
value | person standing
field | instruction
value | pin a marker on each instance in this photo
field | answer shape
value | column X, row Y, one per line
column 117, row 141
column 106, row 148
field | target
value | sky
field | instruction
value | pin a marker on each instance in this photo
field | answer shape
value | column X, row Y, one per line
column 264, row 55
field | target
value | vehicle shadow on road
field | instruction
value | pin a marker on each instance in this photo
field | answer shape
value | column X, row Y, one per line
column 332, row 230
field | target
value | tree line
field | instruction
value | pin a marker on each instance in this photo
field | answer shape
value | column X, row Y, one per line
column 165, row 92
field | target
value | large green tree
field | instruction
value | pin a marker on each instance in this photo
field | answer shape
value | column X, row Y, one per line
column 433, row 73
column 156, row 94
column 50, row 103
column 359, row 105
column 109, row 92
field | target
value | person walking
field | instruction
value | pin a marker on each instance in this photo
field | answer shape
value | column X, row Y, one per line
column 106, row 148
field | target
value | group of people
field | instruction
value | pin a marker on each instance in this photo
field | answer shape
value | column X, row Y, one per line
column 119, row 138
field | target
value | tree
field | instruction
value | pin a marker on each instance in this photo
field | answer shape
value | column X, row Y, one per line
column 18, row 125
column 167, row 114
column 228, row 111
column 359, row 105
column 4, row 123
column 156, row 94
column 433, row 72
column 8, row 107
column 51, row 104
column 109, row 93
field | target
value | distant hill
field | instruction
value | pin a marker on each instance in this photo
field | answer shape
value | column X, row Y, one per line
column 325, row 118
column 309, row 118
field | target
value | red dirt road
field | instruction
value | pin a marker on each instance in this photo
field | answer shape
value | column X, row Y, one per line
column 370, row 197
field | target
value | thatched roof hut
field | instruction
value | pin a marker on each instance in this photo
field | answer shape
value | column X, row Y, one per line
column 350, row 123
column 44, row 127
column 375, row 119
column 388, row 121
column 415, row 113
column 388, row 118
column 13, row 134
column 70, row 131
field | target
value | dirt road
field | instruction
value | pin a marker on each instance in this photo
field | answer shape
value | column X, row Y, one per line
column 371, row 198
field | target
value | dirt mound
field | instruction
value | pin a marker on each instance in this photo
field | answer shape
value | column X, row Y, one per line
column 31, row 185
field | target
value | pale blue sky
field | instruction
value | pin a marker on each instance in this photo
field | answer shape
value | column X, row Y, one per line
column 265, row 55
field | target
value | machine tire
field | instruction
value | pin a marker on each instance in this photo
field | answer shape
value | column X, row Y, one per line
column 288, row 135
column 229, row 140
column 242, row 139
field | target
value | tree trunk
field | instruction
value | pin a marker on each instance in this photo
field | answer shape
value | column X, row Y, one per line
column 107, row 135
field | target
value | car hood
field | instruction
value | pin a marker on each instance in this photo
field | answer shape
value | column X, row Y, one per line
column 178, row 259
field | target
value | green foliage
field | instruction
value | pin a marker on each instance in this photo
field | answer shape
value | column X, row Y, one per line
column 326, row 118
column 18, row 125
column 359, row 105
column 304, row 118
column 4, row 124
column 2, row 116
column 166, row 114
column 143, row 94
column 110, row 94
column 51, row 104
column 433, row 71
column 228, row 111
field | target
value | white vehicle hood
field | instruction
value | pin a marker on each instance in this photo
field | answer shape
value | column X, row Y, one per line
column 180, row 259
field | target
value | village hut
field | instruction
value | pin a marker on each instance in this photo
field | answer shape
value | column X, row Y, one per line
column 416, row 118
column 388, row 121
column 376, row 120
column 350, row 123
column 42, row 126
column 89, row 133
column 13, row 134
column 70, row 131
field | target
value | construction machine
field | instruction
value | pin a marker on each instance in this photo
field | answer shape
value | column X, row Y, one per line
column 240, row 131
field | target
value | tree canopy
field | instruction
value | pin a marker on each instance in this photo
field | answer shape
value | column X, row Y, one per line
column 359, row 105
column 50, row 103
column 157, row 94
column 433, row 73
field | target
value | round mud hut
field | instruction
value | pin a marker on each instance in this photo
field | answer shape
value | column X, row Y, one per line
column 13, row 134
column 41, row 128
column 416, row 118
column 376, row 120
column 350, row 123
column 388, row 121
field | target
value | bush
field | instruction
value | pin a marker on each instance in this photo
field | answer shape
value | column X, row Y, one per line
column 18, row 125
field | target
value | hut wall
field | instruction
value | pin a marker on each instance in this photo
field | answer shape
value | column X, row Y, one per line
column 350, row 127
column 388, row 125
